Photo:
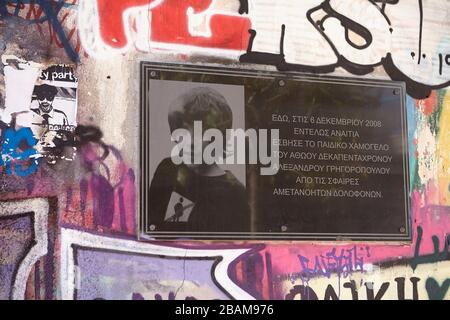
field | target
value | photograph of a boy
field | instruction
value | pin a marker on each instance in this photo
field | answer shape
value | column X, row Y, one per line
column 201, row 197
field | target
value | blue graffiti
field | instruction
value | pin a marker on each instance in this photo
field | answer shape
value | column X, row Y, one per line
column 14, row 155
column 50, row 9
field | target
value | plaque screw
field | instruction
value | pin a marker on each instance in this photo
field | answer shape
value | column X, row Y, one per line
column 152, row 227
column 153, row 74
column 396, row 92
column 284, row 228
column 402, row 229
column 282, row 83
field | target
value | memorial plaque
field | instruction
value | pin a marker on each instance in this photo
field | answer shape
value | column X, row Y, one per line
column 242, row 154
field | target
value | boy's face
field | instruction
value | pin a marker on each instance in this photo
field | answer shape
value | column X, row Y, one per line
column 196, row 140
column 195, row 121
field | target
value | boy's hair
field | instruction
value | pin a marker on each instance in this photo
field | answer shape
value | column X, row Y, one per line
column 201, row 104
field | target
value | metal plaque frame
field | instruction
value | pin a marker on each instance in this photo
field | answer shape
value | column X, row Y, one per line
column 392, row 223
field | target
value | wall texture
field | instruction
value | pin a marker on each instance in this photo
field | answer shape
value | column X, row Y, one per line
column 68, row 209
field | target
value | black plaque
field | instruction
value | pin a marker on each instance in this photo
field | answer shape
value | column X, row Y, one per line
column 339, row 154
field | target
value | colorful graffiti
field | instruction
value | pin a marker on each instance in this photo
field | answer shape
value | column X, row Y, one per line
column 402, row 278
column 68, row 201
column 357, row 37
column 87, row 253
column 308, row 36
column 24, row 241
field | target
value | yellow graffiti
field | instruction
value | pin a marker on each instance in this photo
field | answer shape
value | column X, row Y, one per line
column 443, row 153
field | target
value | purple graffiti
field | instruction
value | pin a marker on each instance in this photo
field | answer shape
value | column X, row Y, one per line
column 343, row 263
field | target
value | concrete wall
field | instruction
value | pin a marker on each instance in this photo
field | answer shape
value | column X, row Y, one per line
column 79, row 200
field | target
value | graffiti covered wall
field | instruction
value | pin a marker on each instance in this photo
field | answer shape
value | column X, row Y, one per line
column 68, row 194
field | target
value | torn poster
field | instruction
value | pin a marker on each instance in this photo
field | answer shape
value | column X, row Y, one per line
column 43, row 99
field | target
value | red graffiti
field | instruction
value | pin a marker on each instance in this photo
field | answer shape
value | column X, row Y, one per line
column 170, row 24
column 110, row 14
column 427, row 106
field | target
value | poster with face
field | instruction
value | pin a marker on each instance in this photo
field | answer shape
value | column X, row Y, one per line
column 53, row 102
column 47, row 103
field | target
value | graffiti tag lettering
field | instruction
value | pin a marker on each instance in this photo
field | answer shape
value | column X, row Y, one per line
column 308, row 36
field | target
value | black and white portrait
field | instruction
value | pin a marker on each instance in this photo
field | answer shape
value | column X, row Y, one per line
column 205, row 196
